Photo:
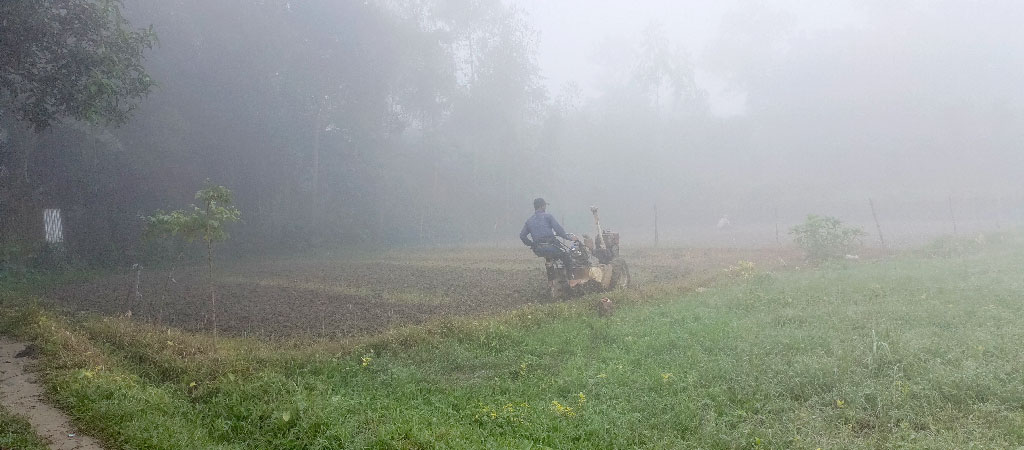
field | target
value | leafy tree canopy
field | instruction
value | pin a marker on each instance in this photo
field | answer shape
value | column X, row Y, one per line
column 206, row 223
column 79, row 59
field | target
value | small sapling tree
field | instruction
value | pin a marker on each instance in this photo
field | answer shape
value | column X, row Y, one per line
column 206, row 223
column 825, row 237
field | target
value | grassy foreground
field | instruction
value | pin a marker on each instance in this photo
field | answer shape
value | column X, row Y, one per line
column 915, row 352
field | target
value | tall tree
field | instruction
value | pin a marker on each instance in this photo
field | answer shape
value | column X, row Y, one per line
column 78, row 61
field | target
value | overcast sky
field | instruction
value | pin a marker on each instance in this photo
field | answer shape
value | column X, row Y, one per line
column 571, row 32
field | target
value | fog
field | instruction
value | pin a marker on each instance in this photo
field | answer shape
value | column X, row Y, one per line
column 436, row 122
column 824, row 105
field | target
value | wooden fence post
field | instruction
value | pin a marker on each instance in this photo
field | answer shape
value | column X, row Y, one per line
column 877, row 226
column 777, row 239
column 655, row 225
column 952, row 217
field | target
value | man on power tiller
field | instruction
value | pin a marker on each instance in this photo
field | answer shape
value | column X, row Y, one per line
column 544, row 231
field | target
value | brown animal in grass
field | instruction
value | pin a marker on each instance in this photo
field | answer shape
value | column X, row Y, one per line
column 605, row 307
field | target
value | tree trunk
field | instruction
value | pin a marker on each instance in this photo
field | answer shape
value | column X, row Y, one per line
column 16, row 188
column 29, row 147
column 213, row 290
column 314, row 210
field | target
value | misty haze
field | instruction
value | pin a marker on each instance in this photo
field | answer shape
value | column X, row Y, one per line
column 511, row 224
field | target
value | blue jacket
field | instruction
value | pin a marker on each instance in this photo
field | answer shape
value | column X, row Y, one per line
column 542, row 227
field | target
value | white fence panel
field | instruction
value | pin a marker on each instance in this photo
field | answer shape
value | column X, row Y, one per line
column 54, row 227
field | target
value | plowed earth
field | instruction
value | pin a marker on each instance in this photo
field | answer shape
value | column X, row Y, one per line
column 356, row 295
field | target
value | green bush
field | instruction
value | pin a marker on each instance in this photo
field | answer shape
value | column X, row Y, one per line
column 825, row 238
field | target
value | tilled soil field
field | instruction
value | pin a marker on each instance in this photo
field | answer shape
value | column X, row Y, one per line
column 351, row 295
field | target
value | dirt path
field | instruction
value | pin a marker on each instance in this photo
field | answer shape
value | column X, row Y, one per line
column 21, row 394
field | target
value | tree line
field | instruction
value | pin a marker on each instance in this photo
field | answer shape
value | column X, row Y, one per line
column 406, row 122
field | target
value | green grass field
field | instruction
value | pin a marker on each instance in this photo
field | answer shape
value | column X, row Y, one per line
column 919, row 351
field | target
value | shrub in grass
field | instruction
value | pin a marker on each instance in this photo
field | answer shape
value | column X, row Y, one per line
column 824, row 238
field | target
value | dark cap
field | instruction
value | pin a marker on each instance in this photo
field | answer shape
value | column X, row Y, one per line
column 539, row 203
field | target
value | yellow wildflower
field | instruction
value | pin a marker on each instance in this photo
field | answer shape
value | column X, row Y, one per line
column 562, row 410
